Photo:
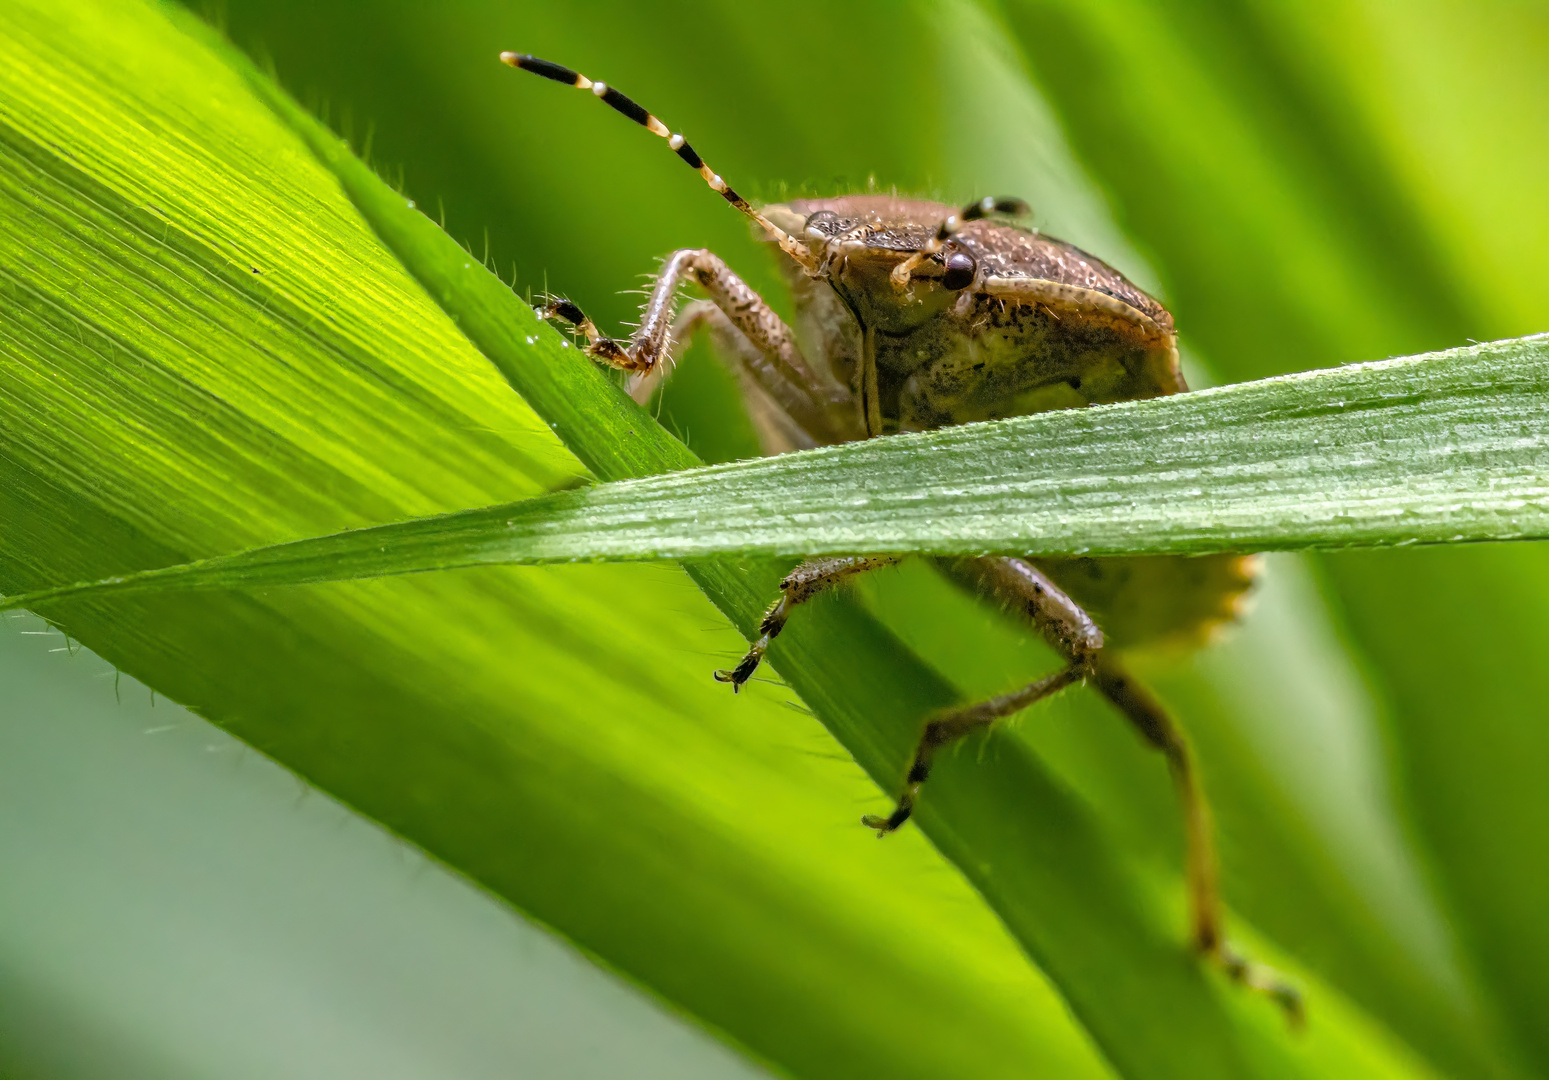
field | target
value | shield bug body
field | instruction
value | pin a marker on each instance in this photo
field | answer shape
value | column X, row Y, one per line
column 913, row 315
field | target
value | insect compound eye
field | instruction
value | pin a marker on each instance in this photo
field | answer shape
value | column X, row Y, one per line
column 959, row 271
column 823, row 224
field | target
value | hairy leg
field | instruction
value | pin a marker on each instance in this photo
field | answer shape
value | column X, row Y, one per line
column 948, row 727
column 1206, row 917
column 1057, row 617
column 814, row 400
column 802, row 584
column 1022, row 587
column 777, row 430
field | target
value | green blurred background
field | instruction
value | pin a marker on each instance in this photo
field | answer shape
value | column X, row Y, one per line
column 1304, row 186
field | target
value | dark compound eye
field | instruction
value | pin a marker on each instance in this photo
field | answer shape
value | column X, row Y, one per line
column 825, row 222
column 960, row 271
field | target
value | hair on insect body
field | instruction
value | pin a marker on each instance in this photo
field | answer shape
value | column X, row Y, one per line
column 913, row 315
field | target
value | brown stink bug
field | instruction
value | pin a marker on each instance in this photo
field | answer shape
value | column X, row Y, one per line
column 913, row 315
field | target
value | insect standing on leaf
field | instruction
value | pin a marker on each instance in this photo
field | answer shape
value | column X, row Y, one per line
column 913, row 315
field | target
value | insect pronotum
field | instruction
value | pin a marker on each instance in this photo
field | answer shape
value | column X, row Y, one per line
column 912, row 315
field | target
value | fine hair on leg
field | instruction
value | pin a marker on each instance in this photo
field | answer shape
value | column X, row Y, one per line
column 1206, row 917
column 1061, row 622
column 817, row 404
column 948, row 727
column 800, row 585
column 1022, row 588
column 778, row 432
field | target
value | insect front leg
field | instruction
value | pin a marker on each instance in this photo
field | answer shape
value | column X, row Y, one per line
column 813, row 400
column 800, row 585
column 778, row 430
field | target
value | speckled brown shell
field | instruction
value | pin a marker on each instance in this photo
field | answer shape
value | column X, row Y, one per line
column 1044, row 325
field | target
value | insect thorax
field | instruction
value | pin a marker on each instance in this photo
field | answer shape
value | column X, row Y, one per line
column 1042, row 326
column 946, row 357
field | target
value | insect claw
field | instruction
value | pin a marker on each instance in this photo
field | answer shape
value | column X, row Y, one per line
column 1266, row 981
column 611, row 352
column 560, row 308
column 885, row 825
column 872, row 821
column 747, row 665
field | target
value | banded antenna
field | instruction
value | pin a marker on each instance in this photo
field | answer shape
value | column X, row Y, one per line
column 630, row 108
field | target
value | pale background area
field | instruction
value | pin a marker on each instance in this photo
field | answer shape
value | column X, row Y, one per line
column 173, row 904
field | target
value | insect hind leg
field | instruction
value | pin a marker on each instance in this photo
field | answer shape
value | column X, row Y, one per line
column 1057, row 617
column 1200, row 872
column 1025, row 589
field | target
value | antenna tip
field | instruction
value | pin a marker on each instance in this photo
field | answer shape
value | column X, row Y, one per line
column 510, row 58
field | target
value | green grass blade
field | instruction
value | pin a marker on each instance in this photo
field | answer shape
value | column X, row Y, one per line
column 1449, row 447
column 203, row 346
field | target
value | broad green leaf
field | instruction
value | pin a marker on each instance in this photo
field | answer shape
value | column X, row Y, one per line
column 204, row 345
column 857, row 717
column 1290, row 735
column 1442, row 448
column 334, row 708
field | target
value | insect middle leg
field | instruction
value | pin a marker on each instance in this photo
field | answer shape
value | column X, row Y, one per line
column 800, row 585
column 814, row 400
column 947, row 728
column 1072, row 633
column 1067, row 628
